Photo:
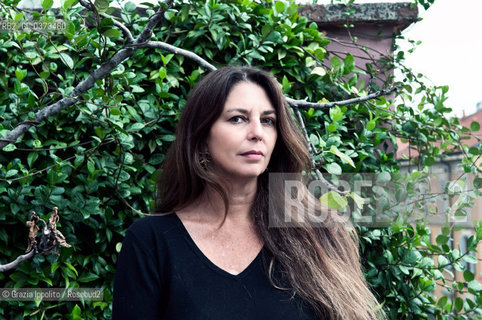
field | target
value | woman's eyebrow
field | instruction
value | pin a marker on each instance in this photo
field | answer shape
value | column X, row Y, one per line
column 269, row 112
column 244, row 111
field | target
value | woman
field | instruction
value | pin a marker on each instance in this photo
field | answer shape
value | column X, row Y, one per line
column 213, row 253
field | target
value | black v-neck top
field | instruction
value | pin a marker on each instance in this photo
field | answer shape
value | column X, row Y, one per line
column 162, row 274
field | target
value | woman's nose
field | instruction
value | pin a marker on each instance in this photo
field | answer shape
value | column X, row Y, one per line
column 255, row 130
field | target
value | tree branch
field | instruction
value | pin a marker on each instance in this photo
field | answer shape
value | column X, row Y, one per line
column 120, row 25
column 188, row 54
column 305, row 104
column 142, row 42
column 312, row 150
column 16, row 262
column 293, row 103
column 50, row 239
column 88, row 83
column 127, row 33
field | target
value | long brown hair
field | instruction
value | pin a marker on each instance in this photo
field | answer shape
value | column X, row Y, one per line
column 320, row 263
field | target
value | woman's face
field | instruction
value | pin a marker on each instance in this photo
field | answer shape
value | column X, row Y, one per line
column 243, row 137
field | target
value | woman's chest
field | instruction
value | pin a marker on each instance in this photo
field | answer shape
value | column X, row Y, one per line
column 232, row 250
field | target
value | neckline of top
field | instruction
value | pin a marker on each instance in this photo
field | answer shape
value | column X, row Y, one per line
column 211, row 264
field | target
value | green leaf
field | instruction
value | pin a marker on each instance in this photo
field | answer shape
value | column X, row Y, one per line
column 442, row 302
column 404, row 269
column 162, row 73
column 11, row 173
column 9, row 147
column 32, row 156
column 90, row 166
column 137, row 89
column 137, row 127
column 470, row 259
column 169, row 14
column 256, row 55
column 71, row 267
column 31, row 55
column 475, row 126
column 335, row 63
column 20, row 74
column 429, row 161
column 342, row 156
column 320, row 53
column 67, row 60
column 76, row 313
column 442, row 239
column 446, row 230
column 115, row 112
column 333, row 168
column 383, row 177
column 66, row 4
column 166, row 59
column 279, row 6
column 281, row 54
column 101, row 5
column 349, row 64
column 412, row 257
column 474, row 285
column 112, row 33
column 468, row 276
column 88, row 277
column 331, row 127
column 168, row 137
column 371, row 125
column 47, row 4
column 130, row 6
column 19, row 16
column 474, row 151
column 437, row 122
column 359, row 201
column 442, row 261
column 459, row 304
column 48, row 281
column 437, row 275
column 319, row 71
column 334, row 200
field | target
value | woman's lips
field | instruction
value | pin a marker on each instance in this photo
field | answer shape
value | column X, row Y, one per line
column 253, row 155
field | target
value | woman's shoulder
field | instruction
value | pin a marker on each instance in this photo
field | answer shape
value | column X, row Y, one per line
column 154, row 228
column 157, row 222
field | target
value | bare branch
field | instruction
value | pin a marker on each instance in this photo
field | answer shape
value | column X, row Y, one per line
column 312, row 150
column 142, row 41
column 14, row 264
column 188, row 54
column 120, row 25
column 306, row 104
column 152, row 23
column 293, row 103
column 127, row 33
column 86, row 4
column 88, row 83
column 50, row 239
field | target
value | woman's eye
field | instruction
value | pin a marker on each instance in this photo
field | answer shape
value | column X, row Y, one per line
column 269, row 121
column 236, row 119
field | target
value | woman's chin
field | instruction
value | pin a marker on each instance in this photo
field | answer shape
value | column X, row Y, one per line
column 246, row 175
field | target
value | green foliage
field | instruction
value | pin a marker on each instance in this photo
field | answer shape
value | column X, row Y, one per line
column 97, row 160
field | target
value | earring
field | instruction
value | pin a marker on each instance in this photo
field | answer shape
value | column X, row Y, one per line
column 204, row 159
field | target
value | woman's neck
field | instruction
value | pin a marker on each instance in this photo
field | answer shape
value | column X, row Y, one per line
column 210, row 206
